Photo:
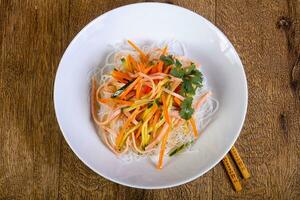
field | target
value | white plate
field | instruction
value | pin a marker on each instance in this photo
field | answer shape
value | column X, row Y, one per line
column 150, row 21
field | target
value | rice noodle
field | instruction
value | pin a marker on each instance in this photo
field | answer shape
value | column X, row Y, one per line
column 179, row 134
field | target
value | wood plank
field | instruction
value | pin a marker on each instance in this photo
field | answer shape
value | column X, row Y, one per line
column 269, row 142
column 51, row 22
column 32, row 41
column 16, row 145
column 76, row 179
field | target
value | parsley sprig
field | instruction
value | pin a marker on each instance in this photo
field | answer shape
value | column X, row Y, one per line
column 192, row 80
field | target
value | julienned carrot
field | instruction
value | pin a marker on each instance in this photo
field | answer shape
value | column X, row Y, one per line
column 138, row 50
column 192, row 121
column 94, row 102
column 165, row 109
column 118, row 74
column 138, row 132
column 160, row 65
column 142, row 67
column 122, row 80
column 177, row 101
column 147, row 70
column 138, row 67
column 155, row 120
column 128, row 64
column 163, row 148
column 138, row 90
column 156, row 117
column 132, row 62
column 129, row 88
column 153, row 69
column 147, row 89
column 127, row 123
column 131, row 94
column 166, row 71
column 119, row 101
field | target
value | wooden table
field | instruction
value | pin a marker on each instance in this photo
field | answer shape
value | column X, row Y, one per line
column 37, row 163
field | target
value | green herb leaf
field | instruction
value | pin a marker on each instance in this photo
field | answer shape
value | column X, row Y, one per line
column 168, row 60
column 190, row 69
column 186, row 110
column 196, row 81
column 187, row 88
column 177, row 63
column 177, row 72
column 192, row 80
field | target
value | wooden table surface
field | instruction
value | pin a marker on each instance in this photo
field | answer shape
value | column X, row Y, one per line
column 37, row 163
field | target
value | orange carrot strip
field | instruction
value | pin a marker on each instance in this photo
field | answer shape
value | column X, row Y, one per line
column 132, row 62
column 162, row 149
column 165, row 109
column 138, row 50
column 155, row 120
column 192, row 121
column 138, row 90
column 94, row 102
column 119, row 74
column 129, row 88
column 138, row 66
column 119, row 101
column 156, row 117
column 153, row 69
column 142, row 67
column 128, row 64
column 147, row 70
column 102, row 100
column 160, row 66
column 138, row 132
column 122, row 80
column 177, row 101
column 166, row 71
column 131, row 94
column 126, row 124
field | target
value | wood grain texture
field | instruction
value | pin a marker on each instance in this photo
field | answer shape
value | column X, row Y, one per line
column 269, row 141
column 36, row 162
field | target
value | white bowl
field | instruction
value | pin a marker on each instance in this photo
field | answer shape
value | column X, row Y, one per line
column 150, row 21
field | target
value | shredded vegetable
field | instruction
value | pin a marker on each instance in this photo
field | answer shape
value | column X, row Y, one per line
column 141, row 102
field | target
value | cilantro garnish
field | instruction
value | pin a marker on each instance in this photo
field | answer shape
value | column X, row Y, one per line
column 186, row 110
column 168, row 60
column 191, row 80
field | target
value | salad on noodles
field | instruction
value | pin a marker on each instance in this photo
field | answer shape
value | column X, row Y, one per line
column 149, row 101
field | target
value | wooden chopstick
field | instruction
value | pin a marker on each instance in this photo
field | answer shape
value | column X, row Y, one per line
column 239, row 162
column 232, row 175
column 230, row 170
